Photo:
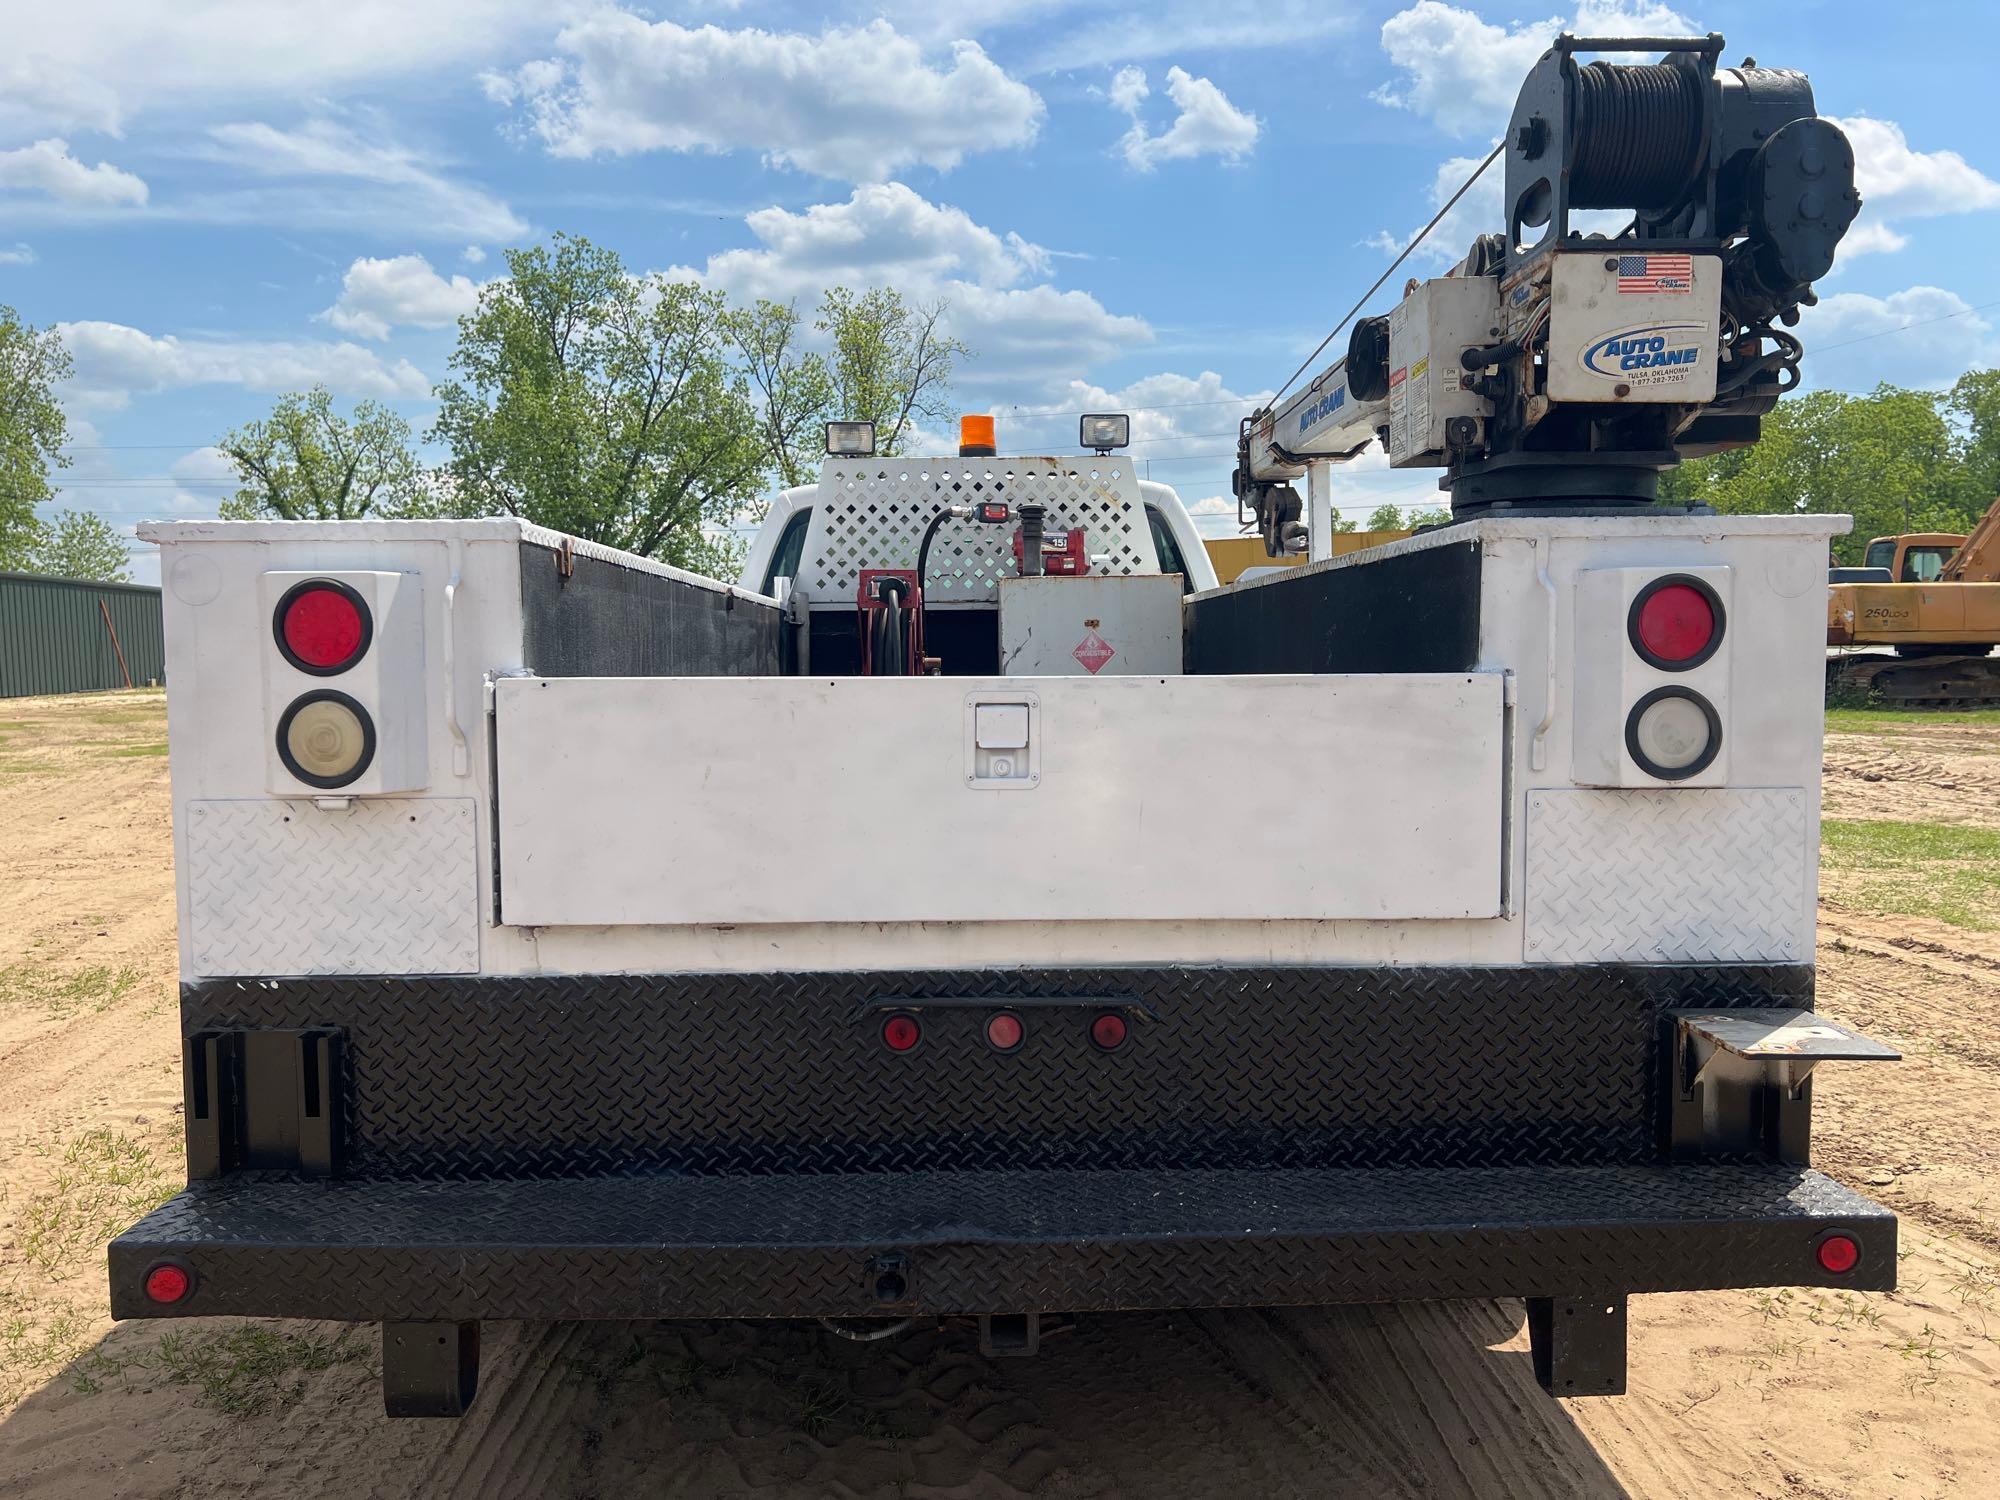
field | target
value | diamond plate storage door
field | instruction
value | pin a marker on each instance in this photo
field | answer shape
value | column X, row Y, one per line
column 871, row 513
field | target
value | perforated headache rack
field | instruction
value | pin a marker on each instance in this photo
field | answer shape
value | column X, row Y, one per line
column 871, row 513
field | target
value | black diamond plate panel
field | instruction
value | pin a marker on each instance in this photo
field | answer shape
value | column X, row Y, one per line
column 987, row 1241
column 1226, row 1068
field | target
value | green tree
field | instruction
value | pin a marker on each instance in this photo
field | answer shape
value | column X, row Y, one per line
column 77, row 544
column 795, row 393
column 1384, row 518
column 892, row 360
column 1426, row 515
column 33, row 430
column 604, row 405
column 1974, row 403
column 1891, row 459
column 306, row 462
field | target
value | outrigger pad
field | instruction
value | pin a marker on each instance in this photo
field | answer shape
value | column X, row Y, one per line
column 429, row 1369
column 1578, row 1344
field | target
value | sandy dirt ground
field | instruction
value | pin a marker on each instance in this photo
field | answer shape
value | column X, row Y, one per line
column 1768, row 1394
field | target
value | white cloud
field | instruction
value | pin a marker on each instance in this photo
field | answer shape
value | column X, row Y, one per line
column 1128, row 90
column 854, row 103
column 1921, row 336
column 472, row 255
column 1899, row 182
column 1177, row 27
column 115, row 362
column 387, row 184
column 1465, row 74
column 1206, row 124
column 1023, row 332
column 1171, row 413
column 92, row 64
column 884, row 232
column 17, row 254
column 379, row 295
column 48, row 167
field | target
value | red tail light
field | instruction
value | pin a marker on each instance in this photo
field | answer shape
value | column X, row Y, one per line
column 1108, row 1032
column 1676, row 623
column 168, row 1284
column 322, row 626
column 1004, row 1032
column 901, row 1033
column 1838, row 1253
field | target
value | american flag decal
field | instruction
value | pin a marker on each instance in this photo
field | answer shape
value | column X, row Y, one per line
column 1654, row 275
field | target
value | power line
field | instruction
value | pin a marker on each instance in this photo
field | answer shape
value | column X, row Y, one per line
column 1882, row 333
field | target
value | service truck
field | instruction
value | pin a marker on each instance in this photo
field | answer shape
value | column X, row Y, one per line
column 567, row 936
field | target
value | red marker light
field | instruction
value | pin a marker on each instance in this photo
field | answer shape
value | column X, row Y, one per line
column 168, row 1284
column 901, row 1033
column 1839, row 1254
column 1676, row 623
column 1108, row 1032
column 1005, row 1032
column 323, row 627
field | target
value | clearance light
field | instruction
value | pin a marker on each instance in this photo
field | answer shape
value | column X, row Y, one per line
column 1676, row 623
column 850, row 439
column 326, row 739
column 1108, row 1032
column 322, row 627
column 168, row 1284
column 1838, row 1253
column 1104, row 430
column 1004, row 1032
column 1673, row 733
column 901, row 1033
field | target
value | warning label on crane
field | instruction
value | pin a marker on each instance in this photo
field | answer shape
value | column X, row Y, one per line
column 1093, row 651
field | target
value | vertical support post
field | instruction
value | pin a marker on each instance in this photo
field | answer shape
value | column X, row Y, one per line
column 429, row 1369
column 1319, row 512
column 1578, row 1344
column 105, row 610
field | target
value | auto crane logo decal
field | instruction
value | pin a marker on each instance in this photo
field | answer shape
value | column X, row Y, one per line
column 1325, row 407
column 1653, row 354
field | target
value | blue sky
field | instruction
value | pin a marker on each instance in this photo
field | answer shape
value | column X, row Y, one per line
column 1158, row 209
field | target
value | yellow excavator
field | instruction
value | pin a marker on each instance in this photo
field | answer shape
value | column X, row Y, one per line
column 1916, row 624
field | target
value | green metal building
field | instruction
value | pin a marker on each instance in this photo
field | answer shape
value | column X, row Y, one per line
column 66, row 635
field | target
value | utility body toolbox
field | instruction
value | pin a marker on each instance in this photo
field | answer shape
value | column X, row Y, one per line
column 1395, row 942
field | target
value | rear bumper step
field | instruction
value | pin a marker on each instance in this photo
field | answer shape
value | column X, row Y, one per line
column 985, row 1242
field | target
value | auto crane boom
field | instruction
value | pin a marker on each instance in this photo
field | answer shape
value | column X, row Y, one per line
column 1558, row 367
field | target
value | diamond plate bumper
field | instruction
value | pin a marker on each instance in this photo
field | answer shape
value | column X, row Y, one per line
column 986, row 1241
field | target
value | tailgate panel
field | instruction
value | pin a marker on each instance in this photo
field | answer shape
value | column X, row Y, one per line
column 738, row 800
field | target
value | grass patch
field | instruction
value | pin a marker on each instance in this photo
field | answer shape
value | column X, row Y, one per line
column 1916, row 869
column 1860, row 720
column 105, row 1182
column 84, row 992
column 127, row 752
column 247, row 1371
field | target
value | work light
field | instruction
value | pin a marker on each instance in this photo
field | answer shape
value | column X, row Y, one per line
column 1104, row 431
column 850, row 439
